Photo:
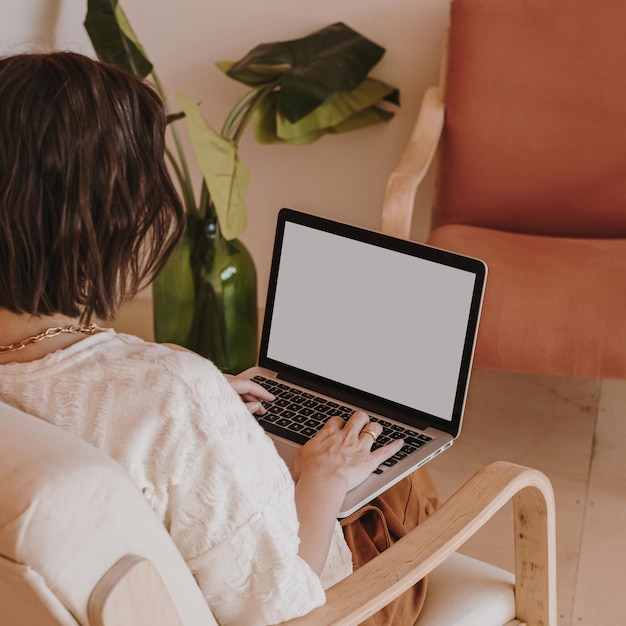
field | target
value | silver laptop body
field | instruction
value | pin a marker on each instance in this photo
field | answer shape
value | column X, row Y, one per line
column 362, row 320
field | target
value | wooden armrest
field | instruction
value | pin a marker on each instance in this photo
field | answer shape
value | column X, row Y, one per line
column 132, row 592
column 413, row 166
column 374, row 585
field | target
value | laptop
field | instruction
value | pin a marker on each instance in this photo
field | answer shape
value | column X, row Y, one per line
column 356, row 319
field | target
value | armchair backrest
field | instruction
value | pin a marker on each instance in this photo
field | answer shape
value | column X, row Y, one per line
column 535, row 131
column 68, row 513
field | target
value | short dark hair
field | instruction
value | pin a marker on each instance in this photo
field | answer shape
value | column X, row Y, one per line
column 88, row 211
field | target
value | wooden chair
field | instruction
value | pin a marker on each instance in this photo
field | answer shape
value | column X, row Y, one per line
column 526, row 130
column 79, row 545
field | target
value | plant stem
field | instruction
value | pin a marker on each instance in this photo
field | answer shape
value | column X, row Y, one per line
column 241, row 113
column 205, row 199
column 186, row 190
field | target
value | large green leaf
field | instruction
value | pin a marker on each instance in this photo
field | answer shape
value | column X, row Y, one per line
column 226, row 177
column 113, row 38
column 334, row 59
column 341, row 112
column 252, row 74
column 338, row 108
column 264, row 120
column 367, row 117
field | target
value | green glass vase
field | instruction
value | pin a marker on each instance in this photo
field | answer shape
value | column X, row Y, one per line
column 205, row 298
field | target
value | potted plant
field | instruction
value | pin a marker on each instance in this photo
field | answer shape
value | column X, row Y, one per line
column 301, row 89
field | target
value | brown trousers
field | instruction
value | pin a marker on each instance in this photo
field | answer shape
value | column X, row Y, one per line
column 373, row 528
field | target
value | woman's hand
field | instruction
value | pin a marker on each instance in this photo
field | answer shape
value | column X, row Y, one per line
column 252, row 394
column 342, row 451
column 337, row 459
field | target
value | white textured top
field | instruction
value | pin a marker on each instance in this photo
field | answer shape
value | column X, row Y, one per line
column 207, row 468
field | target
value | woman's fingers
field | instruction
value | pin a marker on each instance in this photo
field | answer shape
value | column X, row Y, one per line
column 353, row 426
column 342, row 450
column 365, row 432
column 357, row 421
column 252, row 394
column 247, row 387
column 255, row 407
column 371, row 431
column 388, row 450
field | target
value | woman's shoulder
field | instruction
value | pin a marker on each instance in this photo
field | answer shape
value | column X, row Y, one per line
column 132, row 344
column 151, row 380
column 169, row 361
column 185, row 385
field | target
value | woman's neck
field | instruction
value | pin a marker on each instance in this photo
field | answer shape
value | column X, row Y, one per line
column 16, row 328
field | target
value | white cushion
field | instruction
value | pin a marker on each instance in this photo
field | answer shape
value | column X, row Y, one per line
column 465, row 592
column 68, row 512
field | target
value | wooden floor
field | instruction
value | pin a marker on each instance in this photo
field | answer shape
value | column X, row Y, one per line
column 575, row 432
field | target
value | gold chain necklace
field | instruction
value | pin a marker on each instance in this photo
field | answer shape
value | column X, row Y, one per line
column 72, row 329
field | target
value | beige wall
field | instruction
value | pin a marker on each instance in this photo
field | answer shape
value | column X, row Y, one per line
column 342, row 177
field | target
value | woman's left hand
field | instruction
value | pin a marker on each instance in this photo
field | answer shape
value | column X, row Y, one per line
column 252, row 394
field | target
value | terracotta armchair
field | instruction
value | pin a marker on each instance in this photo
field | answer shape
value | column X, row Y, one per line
column 79, row 545
column 527, row 132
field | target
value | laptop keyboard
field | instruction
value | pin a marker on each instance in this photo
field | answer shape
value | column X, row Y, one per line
column 298, row 415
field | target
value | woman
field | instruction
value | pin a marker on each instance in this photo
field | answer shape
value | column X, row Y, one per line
column 88, row 215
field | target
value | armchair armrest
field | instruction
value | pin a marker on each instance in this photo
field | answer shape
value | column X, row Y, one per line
column 143, row 597
column 371, row 587
column 413, row 166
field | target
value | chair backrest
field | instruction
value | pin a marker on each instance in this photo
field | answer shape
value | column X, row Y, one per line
column 534, row 138
column 68, row 513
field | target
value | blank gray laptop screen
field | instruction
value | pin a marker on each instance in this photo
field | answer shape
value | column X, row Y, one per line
column 377, row 320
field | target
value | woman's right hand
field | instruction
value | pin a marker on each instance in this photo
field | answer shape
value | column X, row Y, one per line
column 341, row 451
column 334, row 461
